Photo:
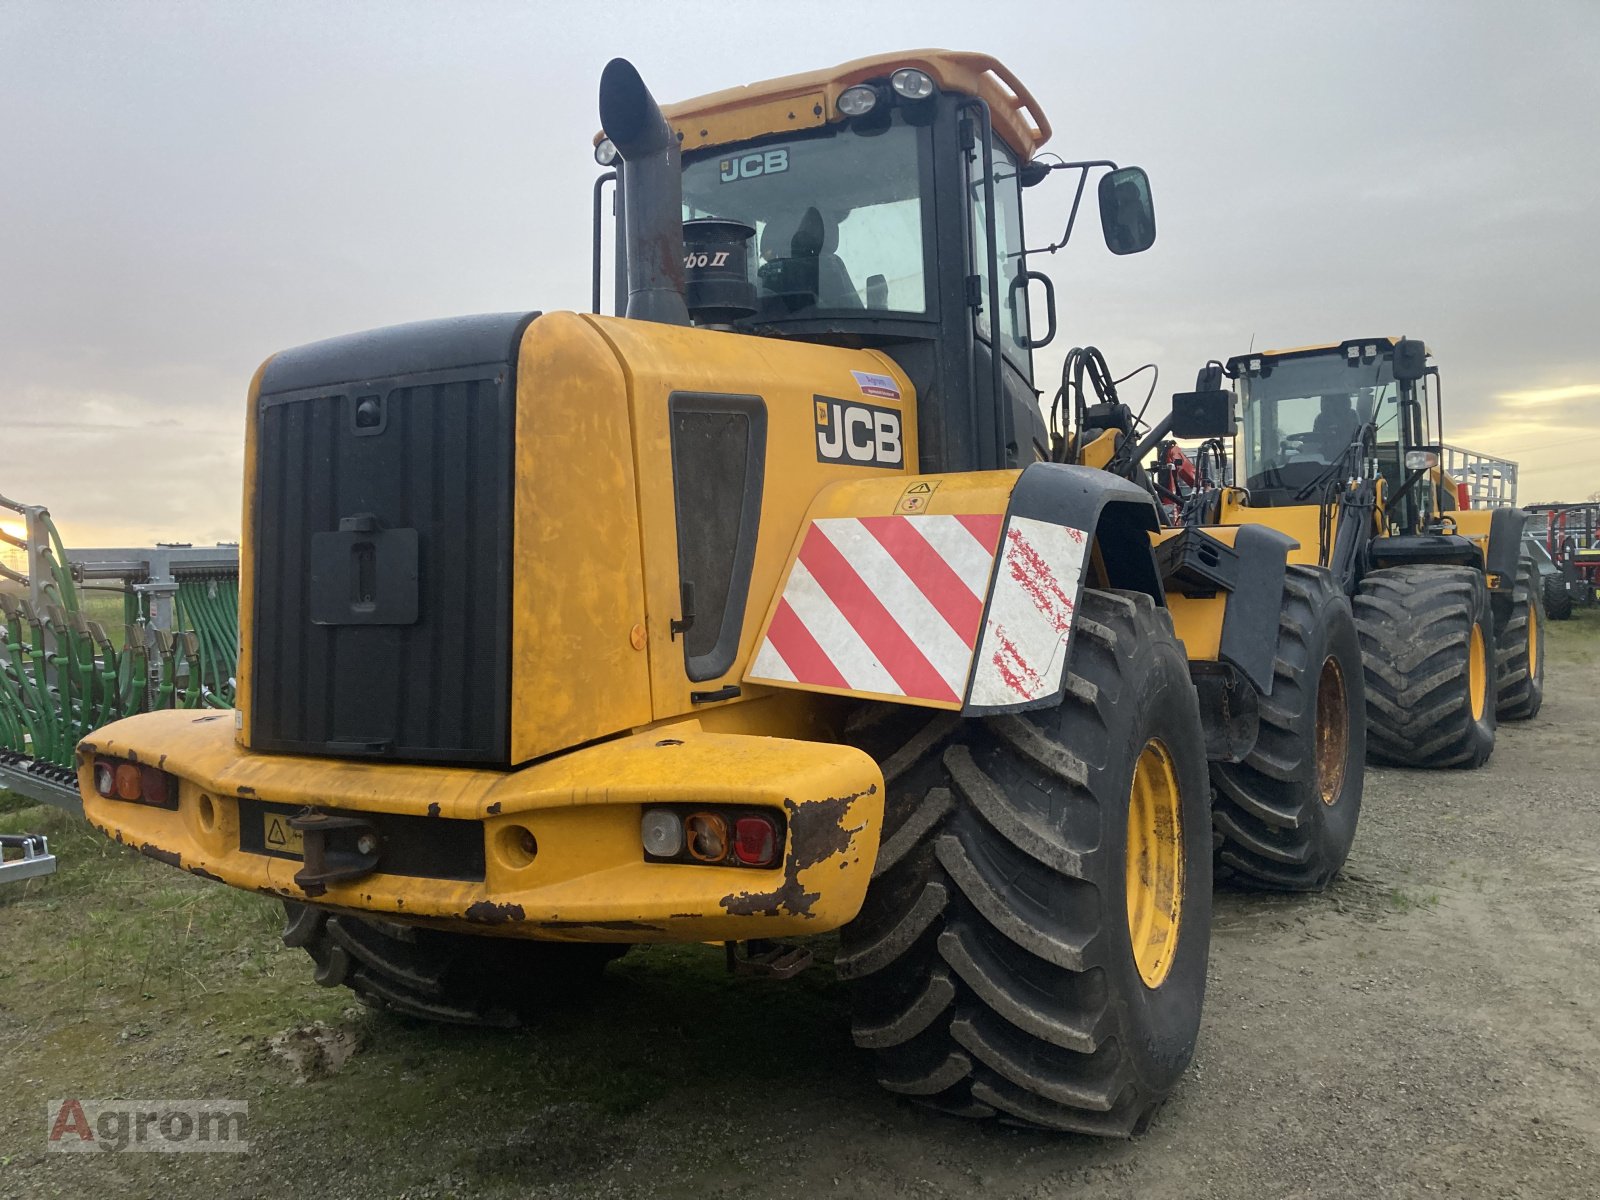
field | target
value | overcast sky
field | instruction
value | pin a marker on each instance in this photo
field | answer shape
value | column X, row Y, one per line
column 185, row 189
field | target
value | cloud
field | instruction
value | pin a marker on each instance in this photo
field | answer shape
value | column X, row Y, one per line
column 1544, row 397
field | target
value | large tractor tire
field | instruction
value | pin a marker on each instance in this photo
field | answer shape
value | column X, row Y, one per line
column 1427, row 640
column 1557, row 598
column 1286, row 815
column 1519, row 649
column 1033, row 945
column 458, row 978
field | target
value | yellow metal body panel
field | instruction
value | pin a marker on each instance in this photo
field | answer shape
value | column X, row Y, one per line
column 918, row 495
column 1303, row 522
column 247, row 570
column 577, row 592
column 1473, row 524
column 794, row 102
column 1197, row 620
column 588, row 880
column 1098, row 453
column 789, row 377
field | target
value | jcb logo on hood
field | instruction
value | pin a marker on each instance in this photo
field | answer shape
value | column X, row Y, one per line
column 858, row 434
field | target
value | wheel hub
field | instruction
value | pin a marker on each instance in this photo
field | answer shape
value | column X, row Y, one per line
column 1154, row 863
column 1333, row 731
column 1477, row 675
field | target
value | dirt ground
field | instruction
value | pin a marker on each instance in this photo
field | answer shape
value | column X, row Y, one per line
column 1426, row 1027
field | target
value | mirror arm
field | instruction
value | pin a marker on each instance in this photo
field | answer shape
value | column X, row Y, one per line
column 1083, row 169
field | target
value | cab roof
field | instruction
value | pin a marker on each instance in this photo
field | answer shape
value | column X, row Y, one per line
column 810, row 100
column 1308, row 351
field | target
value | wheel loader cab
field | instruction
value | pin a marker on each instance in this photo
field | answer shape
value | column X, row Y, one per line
column 1320, row 418
column 884, row 204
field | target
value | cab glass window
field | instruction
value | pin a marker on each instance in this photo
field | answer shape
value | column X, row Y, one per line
column 838, row 218
column 1009, row 248
column 1305, row 413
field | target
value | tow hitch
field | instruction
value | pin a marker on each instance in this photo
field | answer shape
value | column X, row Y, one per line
column 337, row 848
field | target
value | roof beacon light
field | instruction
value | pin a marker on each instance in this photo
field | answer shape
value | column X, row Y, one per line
column 911, row 83
column 605, row 152
column 858, row 101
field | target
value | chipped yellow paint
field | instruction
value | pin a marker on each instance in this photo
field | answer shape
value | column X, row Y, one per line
column 588, row 881
column 789, row 377
column 577, row 594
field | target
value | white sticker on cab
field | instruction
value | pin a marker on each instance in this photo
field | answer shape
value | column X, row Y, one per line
column 882, row 386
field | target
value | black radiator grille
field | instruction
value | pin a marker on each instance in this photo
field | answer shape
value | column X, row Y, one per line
column 382, row 550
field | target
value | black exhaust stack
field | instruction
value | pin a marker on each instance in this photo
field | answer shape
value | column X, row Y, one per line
column 652, row 194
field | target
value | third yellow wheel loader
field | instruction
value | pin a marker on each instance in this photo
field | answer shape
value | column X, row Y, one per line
column 754, row 612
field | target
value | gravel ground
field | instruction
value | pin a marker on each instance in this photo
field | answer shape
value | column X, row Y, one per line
column 1426, row 1027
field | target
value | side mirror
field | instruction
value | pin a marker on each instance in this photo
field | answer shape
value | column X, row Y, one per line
column 1410, row 360
column 1200, row 415
column 1127, row 213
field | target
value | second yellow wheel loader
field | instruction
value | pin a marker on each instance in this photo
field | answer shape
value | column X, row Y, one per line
column 1341, row 447
column 1286, row 806
column 753, row 613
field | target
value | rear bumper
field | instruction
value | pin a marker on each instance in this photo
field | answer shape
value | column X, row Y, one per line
column 588, row 881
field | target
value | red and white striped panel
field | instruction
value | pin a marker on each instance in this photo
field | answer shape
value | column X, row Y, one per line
column 1036, row 590
column 886, row 606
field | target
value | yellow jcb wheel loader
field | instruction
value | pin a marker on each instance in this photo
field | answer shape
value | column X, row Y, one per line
column 756, row 612
column 1285, row 810
column 1341, row 447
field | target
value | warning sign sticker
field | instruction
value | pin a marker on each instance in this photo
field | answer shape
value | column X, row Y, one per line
column 282, row 838
column 915, row 498
column 882, row 386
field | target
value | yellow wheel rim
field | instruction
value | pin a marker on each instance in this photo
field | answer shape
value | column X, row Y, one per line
column 1477, row 676
column 1155, row 863
column 1533, row 639
column 1333, row 731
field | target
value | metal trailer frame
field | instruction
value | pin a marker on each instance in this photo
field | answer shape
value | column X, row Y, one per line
column 34, row 861
column 1491, row 481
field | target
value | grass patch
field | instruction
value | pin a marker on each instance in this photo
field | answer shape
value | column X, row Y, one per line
column 124, row 977
column 1576, row 640
column 1403, row 901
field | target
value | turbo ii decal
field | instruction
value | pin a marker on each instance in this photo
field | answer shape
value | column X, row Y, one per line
column 861, row 435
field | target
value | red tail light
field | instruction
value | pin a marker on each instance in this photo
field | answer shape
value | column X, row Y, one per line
column 755, row 841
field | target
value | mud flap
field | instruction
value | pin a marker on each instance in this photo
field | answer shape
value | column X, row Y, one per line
column 1250, row 622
